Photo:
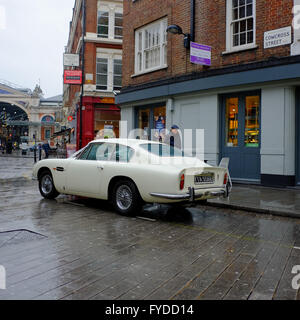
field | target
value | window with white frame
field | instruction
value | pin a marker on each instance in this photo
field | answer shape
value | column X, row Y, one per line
column 241, row 20
column 118, row 25
column 109, row 70
column 117, row 82
column 103, row 25
column 151, row 47
column 110, row 21
column 101, row 73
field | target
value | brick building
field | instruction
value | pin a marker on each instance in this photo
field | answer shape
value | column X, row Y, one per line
column 246, row 100
column 102, row 62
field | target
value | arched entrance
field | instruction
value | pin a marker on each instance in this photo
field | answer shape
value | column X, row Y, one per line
column 14, row 125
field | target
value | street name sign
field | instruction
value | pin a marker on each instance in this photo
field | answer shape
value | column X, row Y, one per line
column 278, row 37
column 71, row 60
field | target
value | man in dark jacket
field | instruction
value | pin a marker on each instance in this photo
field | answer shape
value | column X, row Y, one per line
column 173, row 138
column 46, row 148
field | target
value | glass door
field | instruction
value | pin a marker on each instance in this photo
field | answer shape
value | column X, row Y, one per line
column 152, row 121
column 241, row 135
column 144, row 122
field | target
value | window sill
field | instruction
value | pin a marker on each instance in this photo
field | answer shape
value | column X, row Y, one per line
column 148, row 71
column 240, row 49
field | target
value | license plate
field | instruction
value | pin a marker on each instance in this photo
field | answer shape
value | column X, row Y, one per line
column 204, row 178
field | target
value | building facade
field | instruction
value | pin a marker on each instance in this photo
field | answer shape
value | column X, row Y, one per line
column 246, row 98
column 25, row 116
column 101, row 61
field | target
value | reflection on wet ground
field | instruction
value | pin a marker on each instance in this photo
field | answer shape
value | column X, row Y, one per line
column 90, row 252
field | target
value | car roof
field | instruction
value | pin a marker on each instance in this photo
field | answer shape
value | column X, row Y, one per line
column 129, row 142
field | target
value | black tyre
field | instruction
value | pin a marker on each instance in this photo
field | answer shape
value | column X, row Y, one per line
column 126, row 199
column 46, row 186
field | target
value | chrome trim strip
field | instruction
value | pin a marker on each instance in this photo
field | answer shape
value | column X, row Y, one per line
column 191, row 196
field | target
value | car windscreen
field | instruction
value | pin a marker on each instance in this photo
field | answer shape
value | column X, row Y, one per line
column 162, row 150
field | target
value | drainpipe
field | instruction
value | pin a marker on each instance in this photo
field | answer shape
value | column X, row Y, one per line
column 193, row 20
column 82, row 68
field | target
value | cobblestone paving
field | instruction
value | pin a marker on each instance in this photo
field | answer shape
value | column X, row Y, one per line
column 80, row 249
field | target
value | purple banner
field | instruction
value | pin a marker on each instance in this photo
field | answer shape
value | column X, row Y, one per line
column 200, row 54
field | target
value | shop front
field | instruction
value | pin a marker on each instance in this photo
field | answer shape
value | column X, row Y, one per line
column 100, row 119
column 240, row 134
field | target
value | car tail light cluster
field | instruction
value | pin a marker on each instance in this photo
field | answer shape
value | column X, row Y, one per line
column 225, row 178
column 181, row 182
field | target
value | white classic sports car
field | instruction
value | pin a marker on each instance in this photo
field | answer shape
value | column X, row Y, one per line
column 130, row 173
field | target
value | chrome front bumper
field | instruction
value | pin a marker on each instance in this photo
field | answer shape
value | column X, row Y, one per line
column 192, row 195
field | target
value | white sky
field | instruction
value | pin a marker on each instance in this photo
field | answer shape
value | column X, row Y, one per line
column 33, row 34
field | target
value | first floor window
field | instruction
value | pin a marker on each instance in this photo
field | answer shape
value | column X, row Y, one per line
column 117, row 74
column 102, row 72
column 151, row 46
column 240, row 23
column 109, row 70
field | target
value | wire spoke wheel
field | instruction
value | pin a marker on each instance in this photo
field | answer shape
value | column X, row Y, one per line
column 46, row 184
column 124, row 197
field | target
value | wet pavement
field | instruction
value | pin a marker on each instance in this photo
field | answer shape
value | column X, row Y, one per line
column 80, row 249
column 15, row 168
column 276, row 201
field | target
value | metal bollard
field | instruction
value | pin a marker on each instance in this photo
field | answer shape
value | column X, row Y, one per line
column 34, row 154
column 40, row 154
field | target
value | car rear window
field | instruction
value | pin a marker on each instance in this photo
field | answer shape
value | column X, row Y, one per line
column 162, row 150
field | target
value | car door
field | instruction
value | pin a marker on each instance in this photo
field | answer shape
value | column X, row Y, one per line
column 84, row 175
column 117, row 164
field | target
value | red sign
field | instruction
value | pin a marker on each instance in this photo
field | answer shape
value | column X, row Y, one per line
column 73, row 77
column 70, row 118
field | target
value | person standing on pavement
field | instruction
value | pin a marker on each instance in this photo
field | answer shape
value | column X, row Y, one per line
column 173, row 138
column 46, row 148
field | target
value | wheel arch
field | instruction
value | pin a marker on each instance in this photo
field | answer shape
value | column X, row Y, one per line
column 114, row 180
column 41, row 170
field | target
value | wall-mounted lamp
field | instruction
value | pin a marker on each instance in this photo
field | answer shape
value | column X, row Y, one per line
column 175, row 29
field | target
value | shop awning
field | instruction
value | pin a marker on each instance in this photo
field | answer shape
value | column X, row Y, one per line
column 62, row 133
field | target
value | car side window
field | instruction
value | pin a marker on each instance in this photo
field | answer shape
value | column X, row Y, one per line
column 101, row 151
column 122, row 153
column 84, row 154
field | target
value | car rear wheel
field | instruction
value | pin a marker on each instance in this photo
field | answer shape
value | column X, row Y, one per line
column 126, row 198
column 46, row 186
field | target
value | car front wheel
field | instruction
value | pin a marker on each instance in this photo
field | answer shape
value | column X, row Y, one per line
column 126, row 198
column 46, row 186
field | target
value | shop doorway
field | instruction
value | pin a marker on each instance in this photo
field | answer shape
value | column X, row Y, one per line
column 240, row 134
column 106, row 123
column 152, row 121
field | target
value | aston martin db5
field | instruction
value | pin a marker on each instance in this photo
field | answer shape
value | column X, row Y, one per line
column 130, row 173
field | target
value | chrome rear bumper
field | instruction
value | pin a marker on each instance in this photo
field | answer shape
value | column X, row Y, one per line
column 191, row 195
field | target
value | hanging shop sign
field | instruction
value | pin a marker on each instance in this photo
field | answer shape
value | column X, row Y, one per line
column 70, row 118
column 72, row 77
column 200, row 54
column 278, row 37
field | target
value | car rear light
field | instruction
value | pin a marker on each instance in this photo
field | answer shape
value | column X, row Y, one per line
column 182, row 182
column 225, row 178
